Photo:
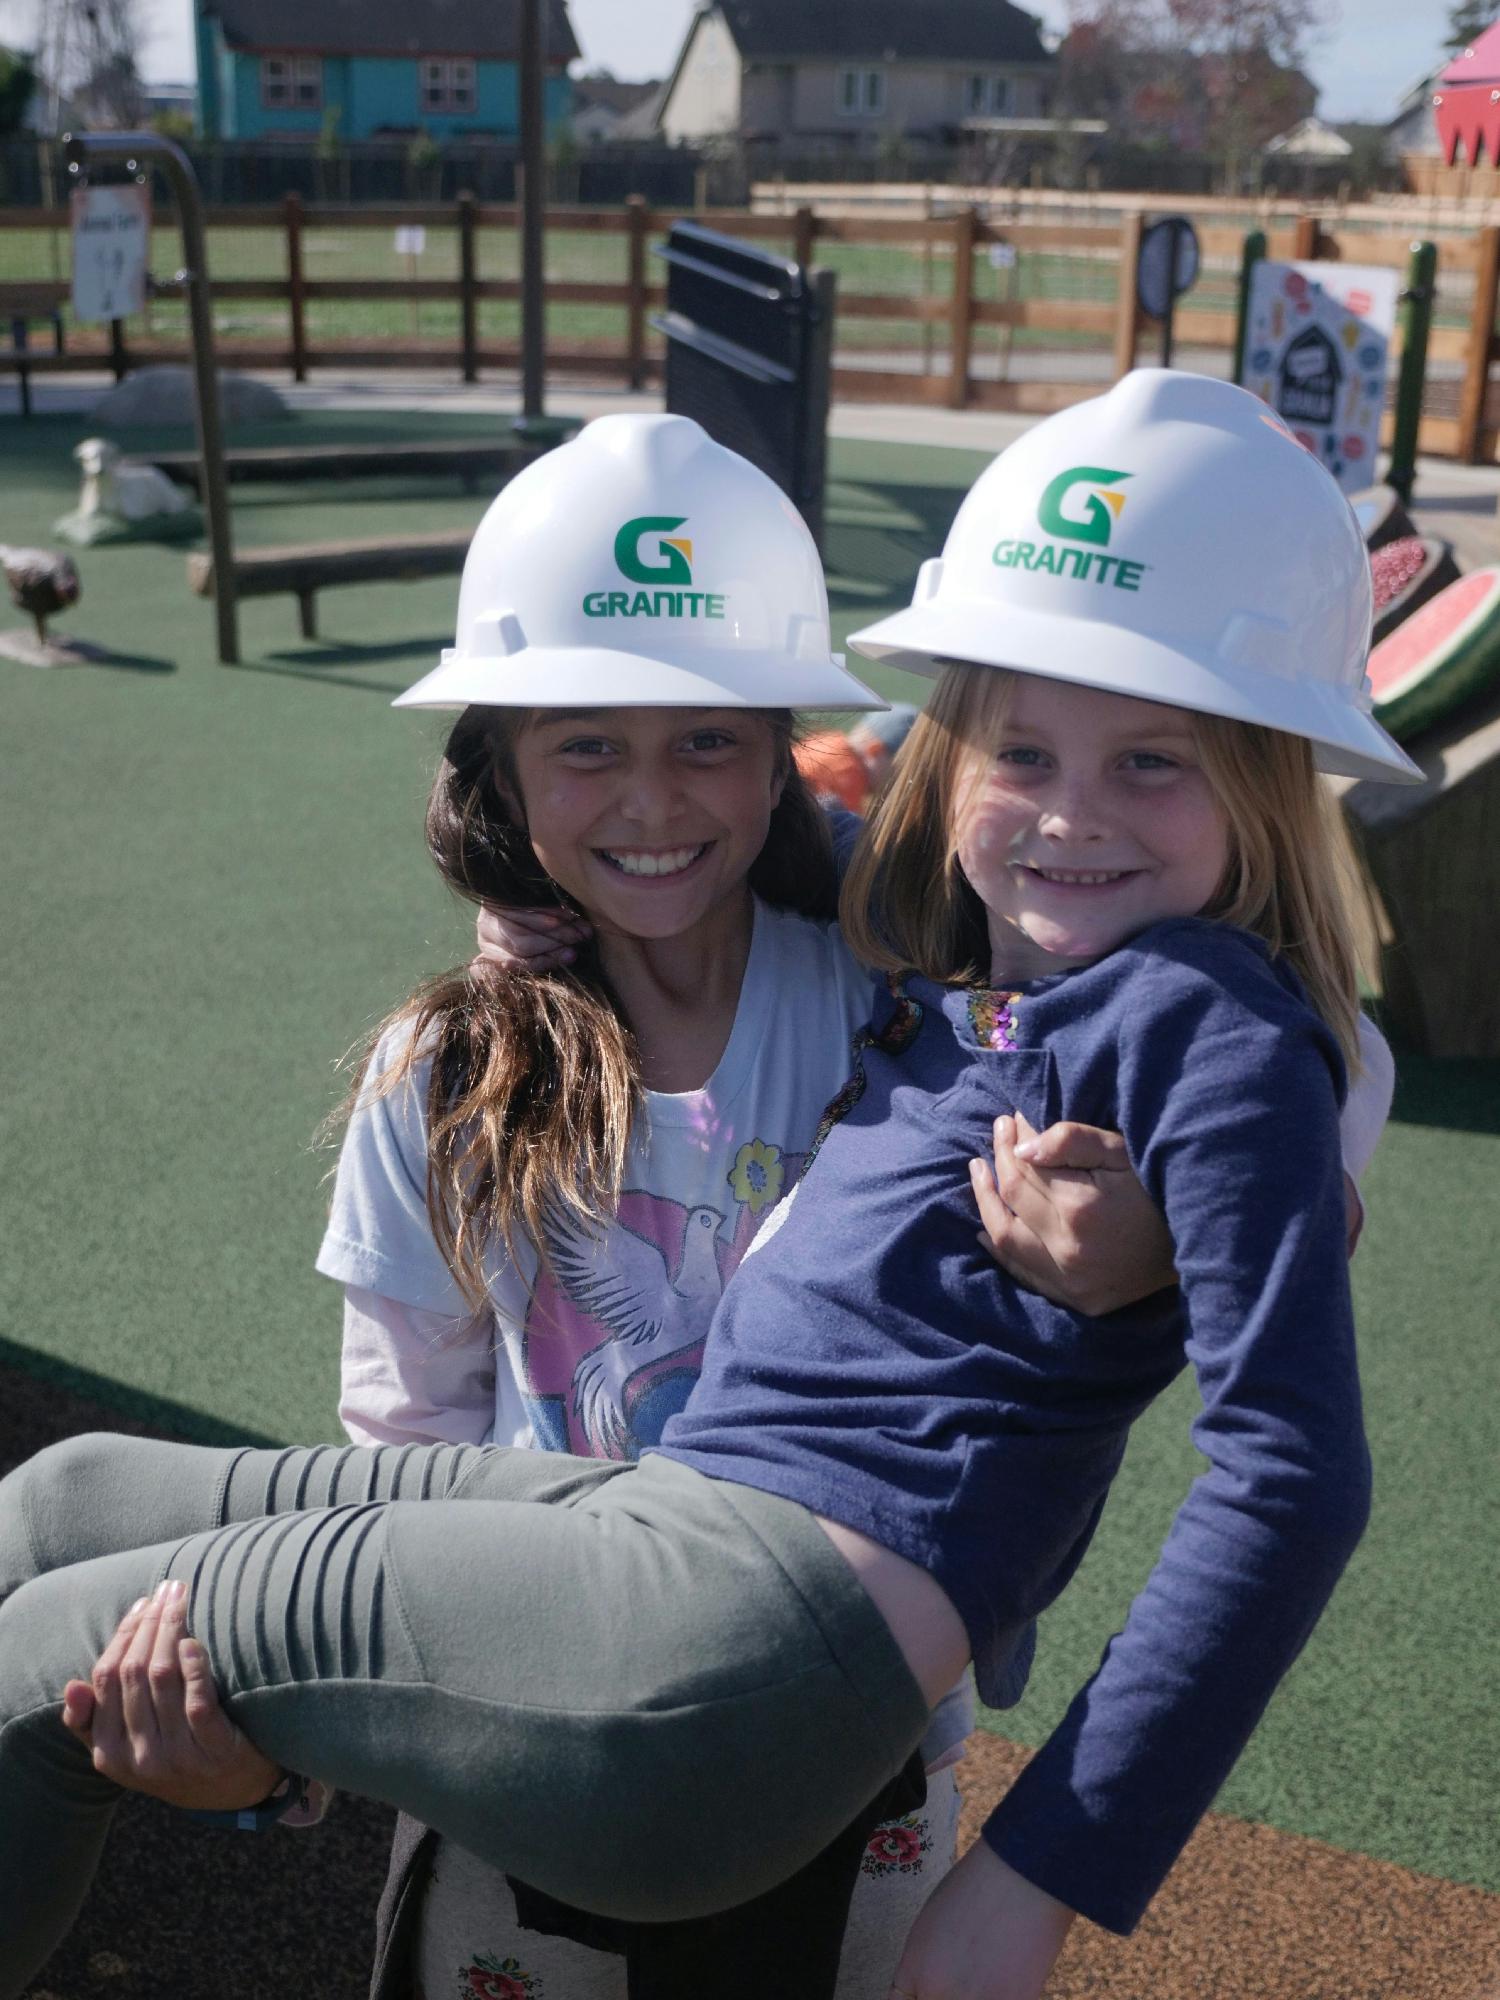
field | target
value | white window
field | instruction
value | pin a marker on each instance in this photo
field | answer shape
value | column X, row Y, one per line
column 291, row 83
column 861, row 92
column 987, row 96
column 447, row 84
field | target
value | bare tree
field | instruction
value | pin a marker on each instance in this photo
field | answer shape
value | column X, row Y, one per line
column 1467, row 21
column 88, row 52
column 1220, row 74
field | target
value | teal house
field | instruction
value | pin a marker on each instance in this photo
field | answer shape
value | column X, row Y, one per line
column 286, row 69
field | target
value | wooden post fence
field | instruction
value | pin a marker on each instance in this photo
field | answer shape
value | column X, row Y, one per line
column 468, row 304
column 919, row 321
column 638, row 217
column 1127, row 305
column 296, row 286
column 961, row 327
column 1481, row 345
column 804, row 236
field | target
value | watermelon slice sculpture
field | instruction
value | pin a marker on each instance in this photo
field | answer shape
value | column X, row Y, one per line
column 1406, row 574
column 1381, row 516
column 1443, row 654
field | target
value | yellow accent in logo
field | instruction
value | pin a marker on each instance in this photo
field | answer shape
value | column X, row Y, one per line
column 679, row 542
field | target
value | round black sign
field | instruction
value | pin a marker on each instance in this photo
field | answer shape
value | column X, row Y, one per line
column 1167, row 265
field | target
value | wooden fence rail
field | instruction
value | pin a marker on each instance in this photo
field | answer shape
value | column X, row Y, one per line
column 938, row 353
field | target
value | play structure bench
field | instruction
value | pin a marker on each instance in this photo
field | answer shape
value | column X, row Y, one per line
column 445, row 458
column 20, row 305
column 315, row 566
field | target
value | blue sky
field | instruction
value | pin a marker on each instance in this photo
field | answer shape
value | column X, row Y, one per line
column 1373, row 52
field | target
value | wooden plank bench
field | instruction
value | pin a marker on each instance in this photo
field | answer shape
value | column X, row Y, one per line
column 1432, row 854
column 22, row 302
column 442, row 458
column 316, row 566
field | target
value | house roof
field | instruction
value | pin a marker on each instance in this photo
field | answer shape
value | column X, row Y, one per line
column 977, row 31
column 1478, row 63
column 1310, row 139
column 1464, row 103
column 390, row 27
column 617, row 97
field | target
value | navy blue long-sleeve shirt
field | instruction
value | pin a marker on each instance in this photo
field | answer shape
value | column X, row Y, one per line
column 872, row 1363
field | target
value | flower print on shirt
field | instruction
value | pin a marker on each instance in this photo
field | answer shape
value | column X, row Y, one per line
column 615, row 1328
column 757, row 1177
column 896, row 1846
column 487, row 1977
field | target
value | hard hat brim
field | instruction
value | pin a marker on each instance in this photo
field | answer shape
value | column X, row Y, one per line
column 925, row 638
column 605, row 677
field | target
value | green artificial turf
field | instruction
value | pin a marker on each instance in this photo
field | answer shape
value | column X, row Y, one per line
column 215, row 883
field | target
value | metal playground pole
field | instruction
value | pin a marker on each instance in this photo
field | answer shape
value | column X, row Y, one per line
column 80, row 150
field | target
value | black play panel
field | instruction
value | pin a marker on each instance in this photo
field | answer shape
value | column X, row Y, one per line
column 749, row 343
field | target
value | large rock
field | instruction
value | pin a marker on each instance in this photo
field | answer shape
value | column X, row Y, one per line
column 165, row 396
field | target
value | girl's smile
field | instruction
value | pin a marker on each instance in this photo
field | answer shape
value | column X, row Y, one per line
column 1093, row 820
column 650, row 818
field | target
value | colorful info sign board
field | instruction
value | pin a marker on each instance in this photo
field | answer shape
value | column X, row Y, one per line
column 1317, row 341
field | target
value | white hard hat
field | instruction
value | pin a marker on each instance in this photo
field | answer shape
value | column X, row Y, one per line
column 1169, row 540
column 642, row 565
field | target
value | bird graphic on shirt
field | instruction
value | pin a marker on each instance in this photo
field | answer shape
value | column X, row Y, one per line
column 650, row 1312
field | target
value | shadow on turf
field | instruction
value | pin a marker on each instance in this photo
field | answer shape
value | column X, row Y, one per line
column 135, row 1409
column 351, row 653
column 344, row 657
column 135, row 663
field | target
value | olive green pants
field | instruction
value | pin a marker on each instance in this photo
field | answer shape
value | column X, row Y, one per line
column 647, row 1693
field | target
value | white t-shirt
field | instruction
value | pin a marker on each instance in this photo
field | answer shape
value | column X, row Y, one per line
column 594, row 1356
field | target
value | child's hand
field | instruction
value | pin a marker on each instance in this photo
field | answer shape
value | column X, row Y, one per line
column 528, row 940
column 150, row 1714
column 985, row 1933
column 1066, row 1216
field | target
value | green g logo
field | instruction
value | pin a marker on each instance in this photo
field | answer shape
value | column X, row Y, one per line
column 1090, row 518
column 675, row 555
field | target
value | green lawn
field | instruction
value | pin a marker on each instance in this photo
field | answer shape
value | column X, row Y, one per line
column 216, row 883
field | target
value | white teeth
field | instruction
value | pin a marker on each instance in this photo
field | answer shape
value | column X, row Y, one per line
column 1075, row 875
column 672, row 862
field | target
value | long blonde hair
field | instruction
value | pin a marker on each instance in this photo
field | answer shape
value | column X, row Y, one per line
column 536, row 1081
column 907, row 903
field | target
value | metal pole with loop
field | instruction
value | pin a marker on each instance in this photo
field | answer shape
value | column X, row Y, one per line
column 81, row 148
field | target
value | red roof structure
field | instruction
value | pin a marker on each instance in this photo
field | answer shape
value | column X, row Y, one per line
column 1467, row 102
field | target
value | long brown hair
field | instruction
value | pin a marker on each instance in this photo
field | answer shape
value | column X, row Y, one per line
column 536, row 1081
column 907, row 901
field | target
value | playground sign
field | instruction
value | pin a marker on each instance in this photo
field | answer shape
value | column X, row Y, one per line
column 111, row 250
column 1317, row 341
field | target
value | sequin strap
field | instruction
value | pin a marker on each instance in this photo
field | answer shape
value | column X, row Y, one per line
column 993, row 1017
column 895, row 1037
